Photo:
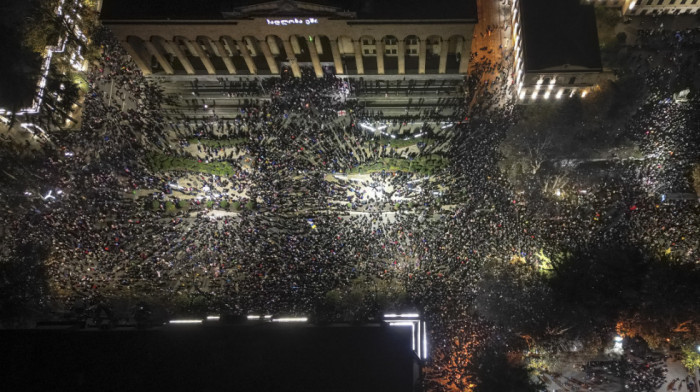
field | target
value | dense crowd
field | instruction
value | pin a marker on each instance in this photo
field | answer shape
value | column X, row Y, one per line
column 322, row 217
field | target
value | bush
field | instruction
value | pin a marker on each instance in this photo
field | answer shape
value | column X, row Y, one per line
column 224, row 204
column 182, row 204
column 155, row 205
column 170, row 206
column 218, row 143
column 250, row 206
column 210, row 204
column 236, row 206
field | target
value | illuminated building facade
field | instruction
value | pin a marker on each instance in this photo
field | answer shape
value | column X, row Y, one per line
column 652, row 7
column 556, row 48
column 382, row 38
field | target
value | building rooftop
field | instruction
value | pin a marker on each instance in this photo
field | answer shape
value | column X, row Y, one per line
column 216, row 9
column 269, row 357
column 559, row 33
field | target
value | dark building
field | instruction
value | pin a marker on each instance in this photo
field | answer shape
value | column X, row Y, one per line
column 245, row 357
column 556, row 49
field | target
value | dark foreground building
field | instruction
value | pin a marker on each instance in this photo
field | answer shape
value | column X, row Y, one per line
column 261, row 357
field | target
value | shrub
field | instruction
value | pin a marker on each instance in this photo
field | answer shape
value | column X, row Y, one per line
column 224, row 204
column 250, row 205
column 182, row 204
column 236, row 206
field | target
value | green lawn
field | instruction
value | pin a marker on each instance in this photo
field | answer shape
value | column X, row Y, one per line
column 425, row 165
column 161, row 162
column 220, row 143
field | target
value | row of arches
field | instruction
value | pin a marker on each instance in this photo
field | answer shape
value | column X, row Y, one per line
column 342, row 55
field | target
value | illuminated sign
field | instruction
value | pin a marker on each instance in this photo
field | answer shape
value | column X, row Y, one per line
column 293, row 21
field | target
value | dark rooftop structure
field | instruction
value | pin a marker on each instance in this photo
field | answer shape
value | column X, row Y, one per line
column 216, row 9
column 558, row 34
column 238, row 358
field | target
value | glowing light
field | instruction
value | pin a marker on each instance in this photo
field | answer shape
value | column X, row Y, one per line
column 618, row 338
column 253, row 317
column 522, row 95
column 294, row 21
column 559, row 93
column 546, row 95
column 190, row 321
column 534, row 95
column 401, row 323
column 290, row 320
column 419, row 345
column 268, row 316
column 213, row 318
column 404, row 315
column 425, row 341
column 584, row 93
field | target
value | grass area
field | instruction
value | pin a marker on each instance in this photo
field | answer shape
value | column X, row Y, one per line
column 400, row 143
column 161, row 162
column 425, row 165
column 218, row 143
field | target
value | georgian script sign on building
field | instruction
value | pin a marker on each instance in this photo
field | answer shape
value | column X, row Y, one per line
column 292, row 21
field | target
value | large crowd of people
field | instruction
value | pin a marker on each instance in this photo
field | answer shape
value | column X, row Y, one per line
column 331, row 202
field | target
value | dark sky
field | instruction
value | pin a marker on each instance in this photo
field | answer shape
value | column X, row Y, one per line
column 195, row 10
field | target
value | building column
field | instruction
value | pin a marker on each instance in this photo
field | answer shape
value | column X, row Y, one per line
column 175, row 49
column 204, row 57
column 314, row 58
column 379, row 45
column 224, row 56
column 138, row 59
column 243, row 48
column 421, row 56
column 161, row 60
column 274, row 69
column 291, row 57
column 464, row 56
column 336, row 56
column 358, row 57
column 402, row 57
column 443, row 56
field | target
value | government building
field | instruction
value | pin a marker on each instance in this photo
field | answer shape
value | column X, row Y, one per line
column 652, row 7
column 351, row 37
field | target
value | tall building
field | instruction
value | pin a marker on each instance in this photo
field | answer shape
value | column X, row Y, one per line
column 376, row 37
column 652, row 7
column 556, row 49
